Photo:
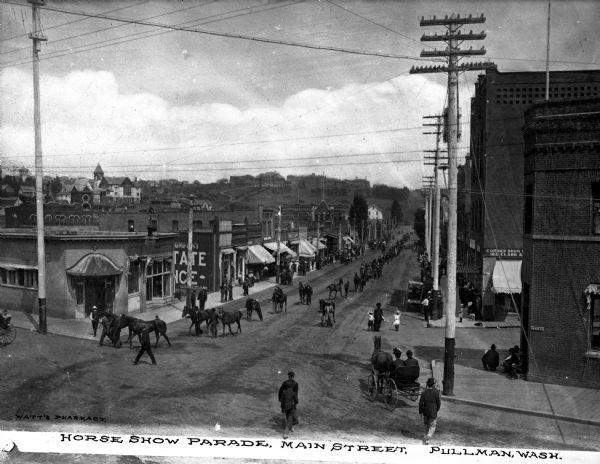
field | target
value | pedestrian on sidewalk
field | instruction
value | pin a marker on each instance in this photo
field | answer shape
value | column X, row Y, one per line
column 346, row 287
column 245, row 287
column 94, row 317
column 230, row 290
column 425, row 305
column 490, row 359
column 146, row 346
column 429, row 405
column 371, row 320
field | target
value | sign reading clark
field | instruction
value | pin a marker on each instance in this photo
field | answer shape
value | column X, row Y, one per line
column 504, row 252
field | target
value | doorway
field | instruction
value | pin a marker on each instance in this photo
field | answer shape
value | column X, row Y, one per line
column 99, row 292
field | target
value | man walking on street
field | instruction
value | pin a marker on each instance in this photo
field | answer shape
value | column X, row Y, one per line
column 378, row 317
column 290, row 383
column 429, row 405
column 146, row 346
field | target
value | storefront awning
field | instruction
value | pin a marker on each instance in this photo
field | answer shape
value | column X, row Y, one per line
column 507, row 276
column 305, row 249
column 227, row 251
column 13, row 266
column 258, row 255
column 282, row 248
column 321, row 246
column 348, row 239
column 94, row 264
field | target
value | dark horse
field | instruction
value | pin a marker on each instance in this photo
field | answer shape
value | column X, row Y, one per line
column 253, row 305
column 279, row 299
column 327, row 312
column 228, row 318
column 137, row 326
column 305, row 293
column 335, row 288
column 198, row 316
column 109, row 327
column 381, row 362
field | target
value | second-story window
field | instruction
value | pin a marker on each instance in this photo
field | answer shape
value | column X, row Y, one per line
column 596, row 208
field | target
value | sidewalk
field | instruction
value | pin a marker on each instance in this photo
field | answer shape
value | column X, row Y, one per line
column 171, row 312
column 477, row 387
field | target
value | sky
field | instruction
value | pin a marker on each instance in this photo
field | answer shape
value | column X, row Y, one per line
column 150, row 102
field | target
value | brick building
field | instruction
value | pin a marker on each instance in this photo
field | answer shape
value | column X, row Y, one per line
column 561, row 273
column 494, row 240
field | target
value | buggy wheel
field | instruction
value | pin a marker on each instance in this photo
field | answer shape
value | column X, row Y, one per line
column 391, row 394
column 372, row 387
column 9, row 335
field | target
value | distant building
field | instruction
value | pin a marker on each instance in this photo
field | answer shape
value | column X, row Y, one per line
column 270, row 179
column 115, row 189
column 242, row 181
column 561, row 245
column 79, row 192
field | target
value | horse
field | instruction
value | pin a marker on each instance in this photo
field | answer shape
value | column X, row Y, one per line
column 335, row 288
column 381, row 361
column 327, row 312
column 198, row 316
column 228, row 318
column 109, row 328
column 279, row 299
column 137, row 326
column 253, row 305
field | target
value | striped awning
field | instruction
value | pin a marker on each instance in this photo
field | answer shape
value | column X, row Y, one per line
column 258, row 255
column 282, row 248
column 94, row 264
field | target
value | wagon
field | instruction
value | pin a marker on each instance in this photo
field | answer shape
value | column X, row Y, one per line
column 401, row 383
column 7, row 333
column 413, row 296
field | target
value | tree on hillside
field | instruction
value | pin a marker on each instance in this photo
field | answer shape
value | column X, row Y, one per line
column 359, row 211
column 396, row 211
column 419, row 224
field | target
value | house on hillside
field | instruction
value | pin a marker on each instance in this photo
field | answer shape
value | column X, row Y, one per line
column 78, row 192
column 115, row 189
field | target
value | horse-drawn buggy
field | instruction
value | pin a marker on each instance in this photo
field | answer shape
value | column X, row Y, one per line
column 414, row 296
column 7, row 332
column 392, row 383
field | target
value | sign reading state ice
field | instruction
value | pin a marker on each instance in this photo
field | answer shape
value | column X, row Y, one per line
column 202, row 261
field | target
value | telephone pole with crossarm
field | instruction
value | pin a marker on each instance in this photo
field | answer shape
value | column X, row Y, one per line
column 453, row 37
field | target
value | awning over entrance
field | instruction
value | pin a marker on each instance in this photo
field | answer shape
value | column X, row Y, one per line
column 258, row 255
column 282, row 248
column 507, row 276
column 320, row 245
column 305, row 249
column 347, row 239
column 227, row 251
column 94, row 264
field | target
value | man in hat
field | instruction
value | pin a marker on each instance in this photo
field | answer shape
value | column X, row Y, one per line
column 94, row 318
column 290, row 383
column 429, row 405
column 146, row 346
column 378, row 317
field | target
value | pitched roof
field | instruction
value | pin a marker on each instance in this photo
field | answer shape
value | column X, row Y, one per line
column 98, row 170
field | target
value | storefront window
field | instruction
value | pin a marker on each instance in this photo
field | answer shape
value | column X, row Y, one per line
column 158, row 280
column 595, row 323
column 19, row 277
column 133, row 279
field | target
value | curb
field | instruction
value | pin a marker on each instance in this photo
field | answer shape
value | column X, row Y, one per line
column 500, row 407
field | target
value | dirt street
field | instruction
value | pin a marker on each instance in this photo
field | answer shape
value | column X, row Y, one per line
column 230, row 383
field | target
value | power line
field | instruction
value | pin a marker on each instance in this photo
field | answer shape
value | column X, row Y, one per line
column 136, row 36
column 224, row 34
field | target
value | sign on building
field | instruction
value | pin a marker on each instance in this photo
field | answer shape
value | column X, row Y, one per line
column 203, row 260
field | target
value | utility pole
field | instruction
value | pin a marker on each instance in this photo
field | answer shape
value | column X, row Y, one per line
column 453, row 38
column 436, row 208
column 278, row 275
column 37, row 36
column 190, row 253
column 548, row 55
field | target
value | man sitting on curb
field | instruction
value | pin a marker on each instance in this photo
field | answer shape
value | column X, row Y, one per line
column 490, row 359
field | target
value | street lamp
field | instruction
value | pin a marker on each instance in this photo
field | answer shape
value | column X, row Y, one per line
column 277, row 276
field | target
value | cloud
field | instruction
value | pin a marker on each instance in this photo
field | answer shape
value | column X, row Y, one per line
column 86, row 119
